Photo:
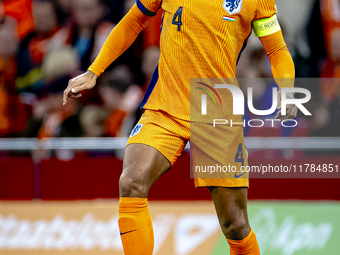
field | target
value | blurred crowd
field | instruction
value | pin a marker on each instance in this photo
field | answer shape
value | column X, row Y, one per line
column 44, row 43
column 318, row 71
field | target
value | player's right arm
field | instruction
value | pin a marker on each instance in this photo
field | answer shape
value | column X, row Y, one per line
column 121, row 37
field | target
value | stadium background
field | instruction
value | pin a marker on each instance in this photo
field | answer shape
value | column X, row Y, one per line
column 59, row 195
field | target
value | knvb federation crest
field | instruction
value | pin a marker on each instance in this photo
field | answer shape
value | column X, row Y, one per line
column 136, row 130
column 232, row 6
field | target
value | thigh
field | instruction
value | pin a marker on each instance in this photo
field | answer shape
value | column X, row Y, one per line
column 231, row 209
column 142, row 166
column 153, row 147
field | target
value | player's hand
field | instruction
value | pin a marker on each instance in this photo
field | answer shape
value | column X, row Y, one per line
column 76, row 85
column 291, row 109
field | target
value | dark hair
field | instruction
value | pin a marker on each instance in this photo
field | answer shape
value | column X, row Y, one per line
column 118, row 84
column 53, row 3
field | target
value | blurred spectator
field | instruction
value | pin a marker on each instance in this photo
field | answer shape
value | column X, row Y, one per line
column 87, row 33
column 34, row 46
column 49, row 116
column 120, row 98
column 12, row 112
column 21, row 11
column 48, row 113
column 326, row 118
column 324, row 38
column 93, row 121
column 316, row 40
column 64, row 8
column 58, row 65
column 330, row 14
column 2, row 11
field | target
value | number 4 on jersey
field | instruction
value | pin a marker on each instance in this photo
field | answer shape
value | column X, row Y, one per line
column 239, row 155
column 178, row 17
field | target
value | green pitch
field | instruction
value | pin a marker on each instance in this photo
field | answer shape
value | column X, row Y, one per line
column 293, row 228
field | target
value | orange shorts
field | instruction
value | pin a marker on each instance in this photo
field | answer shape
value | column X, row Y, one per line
column 219, row 156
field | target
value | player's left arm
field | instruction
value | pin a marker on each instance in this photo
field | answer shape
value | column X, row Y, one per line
column 282, row 68
column 269, row 32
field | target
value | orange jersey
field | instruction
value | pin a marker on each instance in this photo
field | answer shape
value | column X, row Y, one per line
column 199, row 39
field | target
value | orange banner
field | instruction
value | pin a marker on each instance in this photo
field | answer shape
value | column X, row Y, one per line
column 90, row 227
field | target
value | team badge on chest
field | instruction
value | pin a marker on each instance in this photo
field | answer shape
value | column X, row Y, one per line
column 232, row 6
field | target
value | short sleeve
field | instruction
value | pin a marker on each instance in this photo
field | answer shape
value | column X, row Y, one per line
column 265, row 9
column 149, row 7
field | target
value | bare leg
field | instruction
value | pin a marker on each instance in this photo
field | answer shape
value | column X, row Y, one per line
column 143, row 165
column 231, row 209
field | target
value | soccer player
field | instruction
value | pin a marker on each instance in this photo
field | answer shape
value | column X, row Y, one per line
column 199, row 39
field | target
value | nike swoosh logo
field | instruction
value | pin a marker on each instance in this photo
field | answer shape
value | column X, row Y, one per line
column 127, row 232
column 238, row 176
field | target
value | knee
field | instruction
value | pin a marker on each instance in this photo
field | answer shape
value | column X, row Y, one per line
column 132, row 185
column 236, row 228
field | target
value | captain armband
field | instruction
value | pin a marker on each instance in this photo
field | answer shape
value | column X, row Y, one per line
column 266, row 26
